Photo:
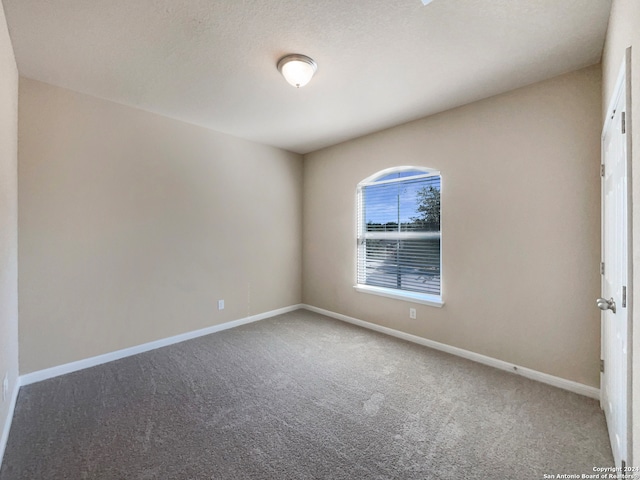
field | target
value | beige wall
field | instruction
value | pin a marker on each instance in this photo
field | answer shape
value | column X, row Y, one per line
column 520, row 225
column 133, row 225
column 624, row 31
column 8, row 221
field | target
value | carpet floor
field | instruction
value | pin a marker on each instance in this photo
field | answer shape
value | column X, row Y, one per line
column 300, row 396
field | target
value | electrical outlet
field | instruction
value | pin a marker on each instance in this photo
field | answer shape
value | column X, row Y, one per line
column 412, row 313
column 220, row 304
column 5, row 387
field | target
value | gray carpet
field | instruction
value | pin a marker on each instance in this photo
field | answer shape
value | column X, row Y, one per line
column 300, row 396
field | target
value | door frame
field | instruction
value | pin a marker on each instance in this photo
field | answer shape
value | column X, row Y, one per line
column 624, row 78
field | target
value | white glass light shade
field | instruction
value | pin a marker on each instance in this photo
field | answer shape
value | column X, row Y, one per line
column 297, row 69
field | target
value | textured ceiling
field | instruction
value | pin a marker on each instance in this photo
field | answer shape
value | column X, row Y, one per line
column 380, row 62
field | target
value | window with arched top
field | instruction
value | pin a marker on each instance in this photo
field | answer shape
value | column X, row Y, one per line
column 399, row 240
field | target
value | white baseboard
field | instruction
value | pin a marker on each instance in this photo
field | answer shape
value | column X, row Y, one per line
column 52, row 372
column 562, row 383
column 4, row 437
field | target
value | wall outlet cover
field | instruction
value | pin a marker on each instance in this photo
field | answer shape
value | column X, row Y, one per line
column 412, row 313
column 220, row 304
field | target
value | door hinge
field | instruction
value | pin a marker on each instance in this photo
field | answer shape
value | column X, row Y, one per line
column 602, row 170
column 601, row 365
column 624, row 296
column 601, row 268
column 624, row 122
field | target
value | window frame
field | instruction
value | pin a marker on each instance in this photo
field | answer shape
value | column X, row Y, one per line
column 361, row 234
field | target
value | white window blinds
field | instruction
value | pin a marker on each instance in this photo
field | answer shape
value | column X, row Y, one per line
column 399, row 231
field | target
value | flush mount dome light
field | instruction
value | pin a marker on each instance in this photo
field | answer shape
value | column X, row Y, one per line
column 297, row 69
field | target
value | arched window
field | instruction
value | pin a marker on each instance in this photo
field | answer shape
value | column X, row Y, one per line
column 399, row 235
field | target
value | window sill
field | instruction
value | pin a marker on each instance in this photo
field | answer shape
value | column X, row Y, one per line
column 431, row 300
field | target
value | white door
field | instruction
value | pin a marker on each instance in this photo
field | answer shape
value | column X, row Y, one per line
column 615, row 277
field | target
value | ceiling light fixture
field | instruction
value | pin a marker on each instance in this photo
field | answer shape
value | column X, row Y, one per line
column 297, row 69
